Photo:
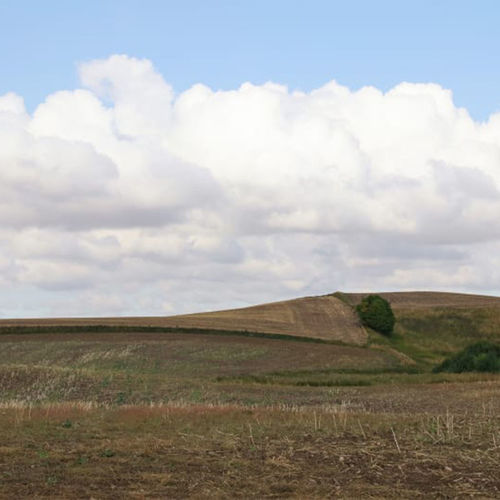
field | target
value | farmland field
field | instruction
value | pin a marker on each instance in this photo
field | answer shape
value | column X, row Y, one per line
column 117, row 413
column 326, row 318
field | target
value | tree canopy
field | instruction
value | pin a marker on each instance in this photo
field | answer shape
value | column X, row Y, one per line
column 376, row 313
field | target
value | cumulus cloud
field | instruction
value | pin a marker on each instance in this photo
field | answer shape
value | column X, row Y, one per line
column 154, row 202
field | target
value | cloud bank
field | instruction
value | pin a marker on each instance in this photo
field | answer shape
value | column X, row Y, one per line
column 122, row 197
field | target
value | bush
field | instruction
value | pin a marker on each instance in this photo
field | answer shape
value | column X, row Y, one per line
column 376, row 313
column 479, row 357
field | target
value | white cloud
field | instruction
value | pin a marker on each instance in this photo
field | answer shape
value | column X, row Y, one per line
column 123, row 190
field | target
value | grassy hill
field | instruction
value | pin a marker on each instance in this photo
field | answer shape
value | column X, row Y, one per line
column 432, row 325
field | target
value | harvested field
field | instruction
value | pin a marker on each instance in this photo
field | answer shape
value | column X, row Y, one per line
column 326, row 318
column 184, row 354
column 317, row 317
column 228, row 451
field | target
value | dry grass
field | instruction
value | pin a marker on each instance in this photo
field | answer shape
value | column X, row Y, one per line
column 207, row 451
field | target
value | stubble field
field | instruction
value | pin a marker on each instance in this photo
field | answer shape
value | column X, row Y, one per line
column 177, row 414
column 165, row 415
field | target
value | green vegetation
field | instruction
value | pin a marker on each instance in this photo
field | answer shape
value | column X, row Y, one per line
column 479, row 357
column 348, row 378
column 429, row 335
column 376, row 313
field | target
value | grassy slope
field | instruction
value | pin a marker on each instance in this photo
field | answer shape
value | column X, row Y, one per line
column 432, row 325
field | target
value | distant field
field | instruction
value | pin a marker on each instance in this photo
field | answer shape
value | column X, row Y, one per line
column 180, row 354
column 326, row 318
column 124, row 413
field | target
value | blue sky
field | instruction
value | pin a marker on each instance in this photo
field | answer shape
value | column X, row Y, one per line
column 224, row 43
column 139, row 192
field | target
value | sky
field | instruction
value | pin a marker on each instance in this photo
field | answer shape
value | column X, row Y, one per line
column 162, row 157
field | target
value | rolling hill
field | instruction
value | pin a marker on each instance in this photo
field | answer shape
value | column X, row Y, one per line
column 326, row 318
column 426, row 300
column 433, row 325
column 429, row 325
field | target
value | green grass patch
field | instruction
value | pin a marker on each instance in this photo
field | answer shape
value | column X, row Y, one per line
column 430, row 335
column 478, row 357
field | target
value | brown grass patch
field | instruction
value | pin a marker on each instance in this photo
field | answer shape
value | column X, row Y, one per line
column 232, row 452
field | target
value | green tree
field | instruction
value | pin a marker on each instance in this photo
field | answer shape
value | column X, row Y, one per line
column 376, row 313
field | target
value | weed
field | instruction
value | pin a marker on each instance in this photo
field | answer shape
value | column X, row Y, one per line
column 121, row 398
column 82, row 460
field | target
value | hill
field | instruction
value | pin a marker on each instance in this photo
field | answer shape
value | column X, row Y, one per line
column 429, row 325
column 326, row 318
column 426, row 300
column 432, row 325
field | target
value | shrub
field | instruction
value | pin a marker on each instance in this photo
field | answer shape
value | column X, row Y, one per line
column 376, row 313
column 479, row 357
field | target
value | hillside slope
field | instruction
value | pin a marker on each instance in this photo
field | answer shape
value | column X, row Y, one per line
column 433, row 325
column 326, row 318
column 429, row 324
column 425, row 300
column 319, row 317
